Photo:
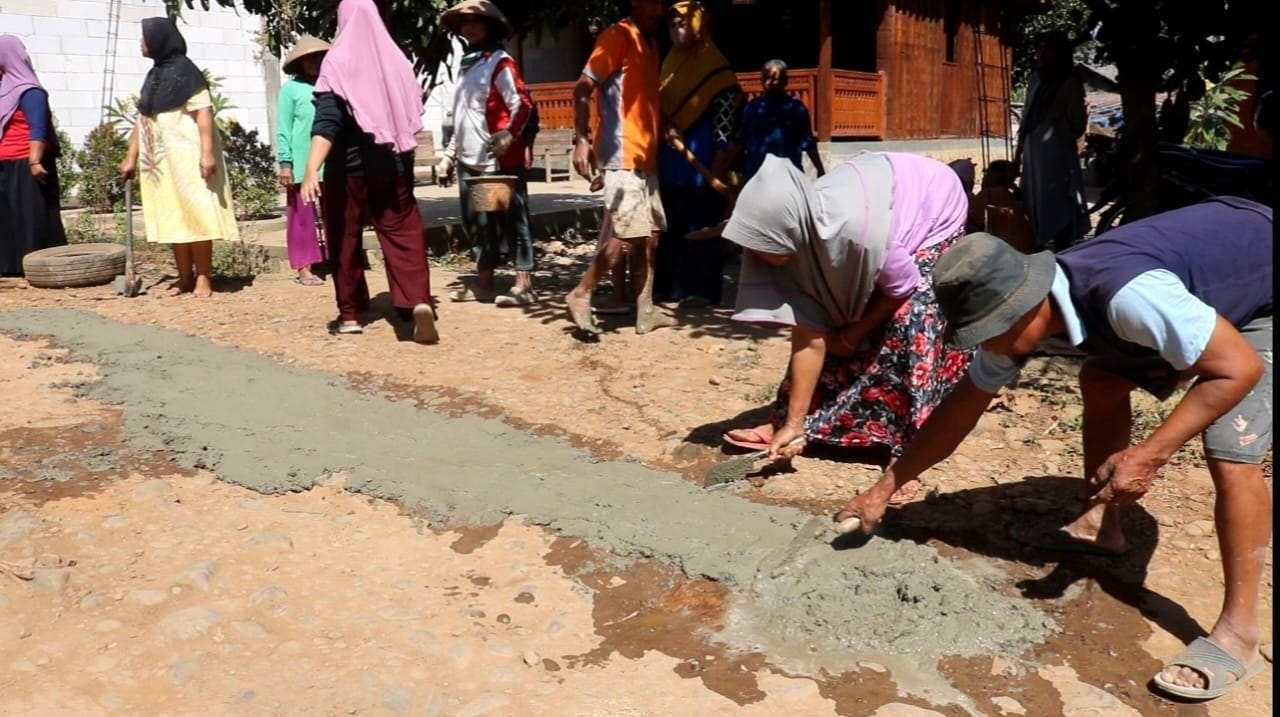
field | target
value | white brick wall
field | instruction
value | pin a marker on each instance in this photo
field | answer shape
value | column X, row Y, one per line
column 67, row 41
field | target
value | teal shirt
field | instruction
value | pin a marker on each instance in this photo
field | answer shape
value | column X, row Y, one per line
column 294, row 116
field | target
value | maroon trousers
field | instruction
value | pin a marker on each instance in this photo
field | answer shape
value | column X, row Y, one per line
column 386, row 201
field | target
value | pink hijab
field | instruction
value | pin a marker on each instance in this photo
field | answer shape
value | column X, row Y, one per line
column 16, row 76
column 367, row 70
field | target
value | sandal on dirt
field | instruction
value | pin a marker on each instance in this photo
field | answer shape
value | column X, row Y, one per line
column 1214, row 663
column 762, row 439
column 516, row 297
column 311, row 280
column 468, row 293
column 1057, row 539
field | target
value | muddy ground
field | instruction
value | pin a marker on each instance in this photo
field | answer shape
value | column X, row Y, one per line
column 216, row 507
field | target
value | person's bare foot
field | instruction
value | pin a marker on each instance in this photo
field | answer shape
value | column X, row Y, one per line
column 178, row 288
column 203, row 289
column 649, row 318
column 579, row 305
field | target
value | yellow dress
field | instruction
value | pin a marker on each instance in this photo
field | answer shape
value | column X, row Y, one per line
column 178, row 205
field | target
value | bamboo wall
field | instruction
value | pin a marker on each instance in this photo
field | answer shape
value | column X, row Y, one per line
column 926, row 96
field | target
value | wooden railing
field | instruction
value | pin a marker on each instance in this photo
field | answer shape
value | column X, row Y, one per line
column 857, row 104
column 857, row 101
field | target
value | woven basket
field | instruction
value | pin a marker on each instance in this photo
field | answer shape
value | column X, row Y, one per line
column 491, row 192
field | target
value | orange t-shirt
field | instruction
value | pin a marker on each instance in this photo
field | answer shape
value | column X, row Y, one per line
column 624, row 66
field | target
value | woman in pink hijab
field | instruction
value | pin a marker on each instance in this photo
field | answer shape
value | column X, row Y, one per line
column 368, row 111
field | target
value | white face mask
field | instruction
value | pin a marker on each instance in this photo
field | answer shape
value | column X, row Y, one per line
column 682, row 36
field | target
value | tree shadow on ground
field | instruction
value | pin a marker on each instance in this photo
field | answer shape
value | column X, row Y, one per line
column 979, row 520
column 556, row 276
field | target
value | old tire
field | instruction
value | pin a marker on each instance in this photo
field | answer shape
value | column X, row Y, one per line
column 73, row 265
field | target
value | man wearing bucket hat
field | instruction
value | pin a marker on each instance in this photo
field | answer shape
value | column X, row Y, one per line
column 491, row 112
column 295, row 114
column 1179, row 296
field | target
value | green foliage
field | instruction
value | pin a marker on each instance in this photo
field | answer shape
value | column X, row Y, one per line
column 1071, row 16
column 100, row 186
column 1213, row 115
column 68, row 173
column 240, row 259
column 415, row 23
column 252, row 170
column 84, row 230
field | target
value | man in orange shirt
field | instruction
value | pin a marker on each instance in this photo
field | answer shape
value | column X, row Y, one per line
column 624, row 66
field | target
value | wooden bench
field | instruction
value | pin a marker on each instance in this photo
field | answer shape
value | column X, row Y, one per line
column 425, row 157
column 555, row 147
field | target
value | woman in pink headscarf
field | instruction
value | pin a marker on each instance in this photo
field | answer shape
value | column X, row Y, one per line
column 368, row 111
column 29, row 204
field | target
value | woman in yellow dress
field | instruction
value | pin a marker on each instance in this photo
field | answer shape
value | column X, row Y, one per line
column 176, row 153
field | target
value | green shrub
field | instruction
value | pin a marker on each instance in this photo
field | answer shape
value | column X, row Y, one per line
column 251, row 167
column 240, row 259
column 68, row 174
column 100, row 186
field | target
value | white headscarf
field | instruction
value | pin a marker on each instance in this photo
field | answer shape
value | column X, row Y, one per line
column 838, row 228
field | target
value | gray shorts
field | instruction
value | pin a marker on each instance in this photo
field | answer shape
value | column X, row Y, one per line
column 1241, row 435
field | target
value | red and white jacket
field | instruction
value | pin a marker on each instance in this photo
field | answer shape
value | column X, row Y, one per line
column 490, row 97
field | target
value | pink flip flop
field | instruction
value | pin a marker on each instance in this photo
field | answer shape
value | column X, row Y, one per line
column 765, row 439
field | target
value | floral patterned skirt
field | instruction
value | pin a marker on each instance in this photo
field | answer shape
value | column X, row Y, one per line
column 882, row 394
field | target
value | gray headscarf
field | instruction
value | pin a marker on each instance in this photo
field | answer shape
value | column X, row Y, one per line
column 838, row 228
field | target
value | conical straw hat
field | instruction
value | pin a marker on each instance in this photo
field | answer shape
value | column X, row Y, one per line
column 485, row 8
column 307, row 45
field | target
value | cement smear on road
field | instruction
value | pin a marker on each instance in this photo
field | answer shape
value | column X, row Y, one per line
column 259, row 423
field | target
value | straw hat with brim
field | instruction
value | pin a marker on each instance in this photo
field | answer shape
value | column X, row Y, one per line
column 984, row 286
column 307, row 45
column 452, row 18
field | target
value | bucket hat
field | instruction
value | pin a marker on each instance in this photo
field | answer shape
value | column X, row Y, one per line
column 307, row 45
column 452, row 18
column 984, row 286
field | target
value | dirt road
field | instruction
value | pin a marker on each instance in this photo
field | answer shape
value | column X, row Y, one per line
column 265, row 519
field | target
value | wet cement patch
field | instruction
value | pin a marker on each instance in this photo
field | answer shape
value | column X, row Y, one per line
column 272, row 428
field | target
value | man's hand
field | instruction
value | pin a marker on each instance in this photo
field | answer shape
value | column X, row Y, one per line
column 583, row 161
column 500, row 142
column 1126, row 476
column 39, row 172
column 310, row 190
column 286, row 177
column 444, row 171
column 208, row 165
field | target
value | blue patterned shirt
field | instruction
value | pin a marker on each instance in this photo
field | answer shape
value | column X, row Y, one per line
column 779, row 128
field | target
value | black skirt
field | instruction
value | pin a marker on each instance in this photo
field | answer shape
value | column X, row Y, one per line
column 30, row 213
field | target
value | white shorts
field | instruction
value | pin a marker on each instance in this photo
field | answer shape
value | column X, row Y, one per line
column 631, row 198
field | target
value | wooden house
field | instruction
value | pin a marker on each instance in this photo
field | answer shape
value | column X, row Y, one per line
column 866, row 69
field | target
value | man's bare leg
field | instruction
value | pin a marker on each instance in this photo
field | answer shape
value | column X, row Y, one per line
column 579, row 299
column 1106, row 424
column 648, row 317
column 1242, row 516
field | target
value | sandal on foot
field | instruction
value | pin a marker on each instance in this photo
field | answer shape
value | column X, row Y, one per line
column 468, row 293
column 1214, row 663
column 516, row 297
column 348, row 327
column 761, row 441
column 311, row 280
column 424, row 324
column 1057, row 539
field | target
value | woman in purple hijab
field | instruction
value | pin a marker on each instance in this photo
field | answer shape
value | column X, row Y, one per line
column 29, row 204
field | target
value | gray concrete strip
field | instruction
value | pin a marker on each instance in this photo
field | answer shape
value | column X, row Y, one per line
column 270, row 427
